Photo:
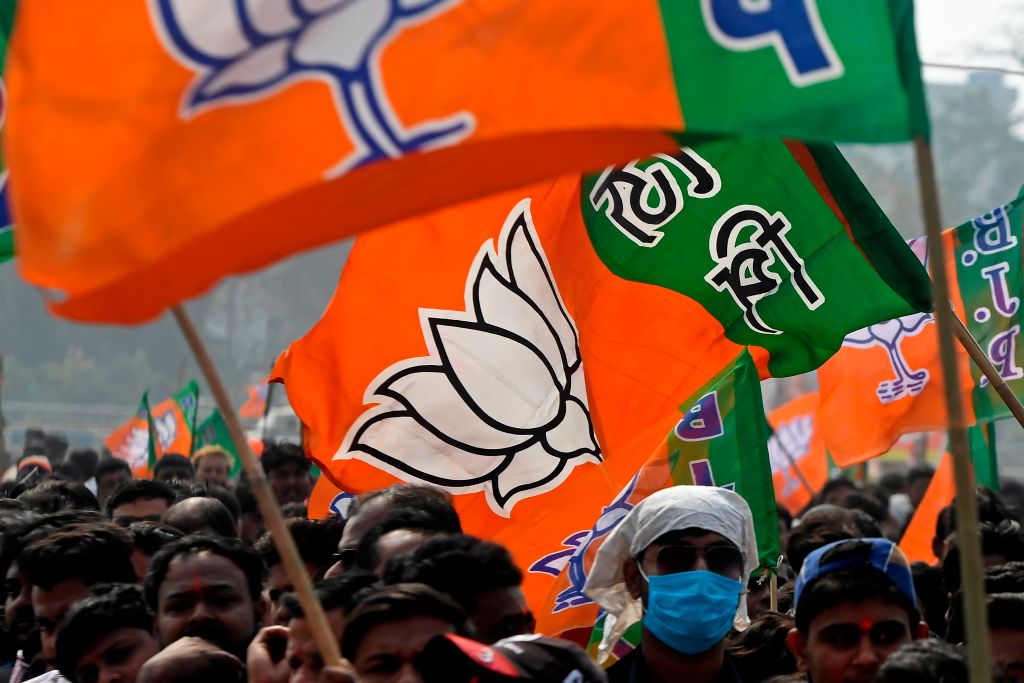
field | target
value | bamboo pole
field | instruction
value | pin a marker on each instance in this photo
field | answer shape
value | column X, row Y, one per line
column 984, row 364
column 294, row 567
column 971, row 570
column 773, row 592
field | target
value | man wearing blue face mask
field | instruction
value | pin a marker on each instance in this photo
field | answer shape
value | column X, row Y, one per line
column 678, row 562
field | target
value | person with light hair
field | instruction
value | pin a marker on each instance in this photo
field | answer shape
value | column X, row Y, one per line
column 213, row 465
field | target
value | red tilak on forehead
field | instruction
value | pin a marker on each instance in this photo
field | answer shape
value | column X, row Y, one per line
column 197, row 584
column 866, row 625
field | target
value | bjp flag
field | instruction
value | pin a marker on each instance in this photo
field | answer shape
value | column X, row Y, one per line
column 797, row 451
column 226, row 135
column 529, row 351
column 887, row 379
column 166, row 428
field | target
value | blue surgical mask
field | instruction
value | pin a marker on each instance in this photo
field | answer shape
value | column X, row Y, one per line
column 691, row 611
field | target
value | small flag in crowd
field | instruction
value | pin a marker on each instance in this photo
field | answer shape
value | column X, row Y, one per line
column 166, row 428
column 135, row 441
column 799, row 460
column 916, row 543
column 256, row 403
column 607, row 301
column 7, row 8
column 351, row 134
column 213, row 431
column 887, row 380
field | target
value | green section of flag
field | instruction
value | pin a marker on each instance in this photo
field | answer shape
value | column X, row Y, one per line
column 815, row 70
column 982, row 440
column 723, row 441
column 779, row 242
column 214, row 432
column 6, row 243
column 187, row 399
column 146, row 414
column 990, row 274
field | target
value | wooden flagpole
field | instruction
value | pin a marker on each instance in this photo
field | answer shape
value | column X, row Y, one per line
column 971, row 571
column 294, row 567
column 984, row 364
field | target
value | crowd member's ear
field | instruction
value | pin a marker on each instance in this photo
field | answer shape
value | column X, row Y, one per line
column 634, row 580
column 797, row 643
column 920, row 631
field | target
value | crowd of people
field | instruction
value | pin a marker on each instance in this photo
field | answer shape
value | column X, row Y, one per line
column 114, row 579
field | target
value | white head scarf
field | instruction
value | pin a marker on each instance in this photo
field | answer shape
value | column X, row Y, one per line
column 674, row 509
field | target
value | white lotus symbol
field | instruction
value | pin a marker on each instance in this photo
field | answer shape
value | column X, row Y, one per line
column 249, row 49
column 500, row 404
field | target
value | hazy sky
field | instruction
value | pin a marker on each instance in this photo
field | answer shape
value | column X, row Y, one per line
column 958, row 30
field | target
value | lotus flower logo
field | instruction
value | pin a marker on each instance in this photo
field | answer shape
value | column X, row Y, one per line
column 500, row 404
column 247, row 49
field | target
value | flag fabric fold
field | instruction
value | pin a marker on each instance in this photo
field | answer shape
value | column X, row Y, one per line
column 232, row 137
column 887, row 379
column 166, row 428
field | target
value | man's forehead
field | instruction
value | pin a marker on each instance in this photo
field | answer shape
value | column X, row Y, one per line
column 693, row 536
column 209, row 567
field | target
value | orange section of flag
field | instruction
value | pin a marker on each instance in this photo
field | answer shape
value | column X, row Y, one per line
column 165, row 135
column 916, row 543
column 130, row 442
column 256, row 402
column 797, row 452
column 172, row 429
column 407, row 296
column 887, row 380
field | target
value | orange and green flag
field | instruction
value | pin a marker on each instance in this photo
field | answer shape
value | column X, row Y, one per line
column 136, row 442
column 227, row 135
column 528, row 352
column 887, row 379
column 175, row 420
column 800, row 463
column 916, row 543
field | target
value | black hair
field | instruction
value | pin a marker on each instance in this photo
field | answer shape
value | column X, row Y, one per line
column 279, row 455
column 247, row 504
column 458, row 565
column 991, row 508
column 109, row 466
column 932, row 595
column 85, row 460
column 149, row 537
column 201, row 512
column 56, row 495
column 819, row 526
column 1005, row 538
column 66, row 471
column 295, row 510
column 111, row 607
column 316, row 540
column 140, row 489
column 924, row 661
column 760, row 650
column 232, row 549
column 853, row 584
column 430, row 499
column 836, row 484
column 1003, row 578
column 172, row 460
column 865, row 503
column 367, row 555
column 397, row 602
column 919, row 473
column 345, row 592
column 893, row 482
column 95, row 553
column 190, row 489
